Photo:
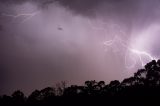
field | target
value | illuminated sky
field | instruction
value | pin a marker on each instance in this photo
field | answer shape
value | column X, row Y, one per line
column 43, row 42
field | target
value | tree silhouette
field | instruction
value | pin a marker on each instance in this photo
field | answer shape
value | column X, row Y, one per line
column 114, row 83
column 144, row 86
column 150, row 76
column 18, row 97
column 91, row 87
column 35, row 97
column 6, row 100
column 60, row 87
column 153, row 73
column 101, row 84
column 47, row 92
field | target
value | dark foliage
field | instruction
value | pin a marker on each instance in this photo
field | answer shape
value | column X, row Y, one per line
column 143, row 87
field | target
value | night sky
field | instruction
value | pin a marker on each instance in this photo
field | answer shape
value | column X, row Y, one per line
column 43, row 42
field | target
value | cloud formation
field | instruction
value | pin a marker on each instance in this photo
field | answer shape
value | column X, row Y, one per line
column 44, row 42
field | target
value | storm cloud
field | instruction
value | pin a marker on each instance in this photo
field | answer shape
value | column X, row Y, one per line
column 43, row 42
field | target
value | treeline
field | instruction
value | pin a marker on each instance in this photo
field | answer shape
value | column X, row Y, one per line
column 144, row 85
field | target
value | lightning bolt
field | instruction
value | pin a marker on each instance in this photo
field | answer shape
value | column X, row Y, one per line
column 140, row 53
column 27, row 16
column 135, row 51
column 99, row 25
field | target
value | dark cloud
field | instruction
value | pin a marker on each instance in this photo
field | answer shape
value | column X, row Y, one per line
column 86, row 7
column 64, row 40
column 14, row 1
column 1, row 27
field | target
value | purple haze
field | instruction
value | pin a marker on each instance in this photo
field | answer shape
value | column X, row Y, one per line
column 45, row 42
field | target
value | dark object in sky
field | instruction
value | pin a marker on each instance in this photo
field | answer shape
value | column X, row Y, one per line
column 59, row 28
